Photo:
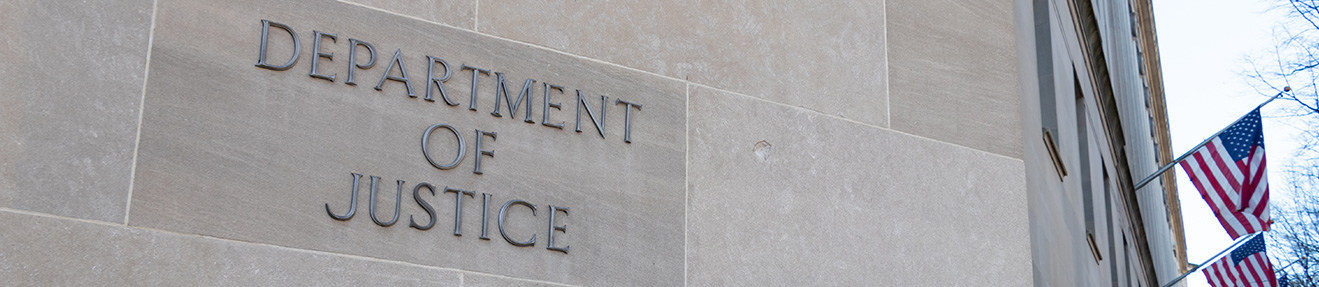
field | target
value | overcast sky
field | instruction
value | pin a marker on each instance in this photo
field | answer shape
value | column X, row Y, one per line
column 1204, row 46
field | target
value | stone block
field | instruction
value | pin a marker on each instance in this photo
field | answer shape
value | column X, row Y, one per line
column 828, row 58
column 70, row 88
column 236, row 151
column 47, row 251
column 787, row 197
column 964, row 91
column 481, row 280
column 461, row 14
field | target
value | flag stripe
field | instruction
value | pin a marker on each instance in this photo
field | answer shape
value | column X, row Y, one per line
column 1220, row 275
column 1212, row 196
column 1257, row 204
column 1231, row 199
column 1263, row 213
column 1214, row 277
column 1251, row 183
column 1252, row 269
column 1258, row 188
column 1230, row 172
column 1273, row 280
column 1227, row 172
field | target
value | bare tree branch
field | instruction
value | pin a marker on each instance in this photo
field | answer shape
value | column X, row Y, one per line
column 1294, row 62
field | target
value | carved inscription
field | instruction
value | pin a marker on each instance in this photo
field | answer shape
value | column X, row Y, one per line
column 506, row 96
column 553, row 226
column 510, row 100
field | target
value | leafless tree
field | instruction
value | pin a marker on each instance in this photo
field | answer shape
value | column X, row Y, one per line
column 1295, row 234
column 1294, row 62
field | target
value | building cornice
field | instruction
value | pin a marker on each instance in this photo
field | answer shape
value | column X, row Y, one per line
column 1153, row 77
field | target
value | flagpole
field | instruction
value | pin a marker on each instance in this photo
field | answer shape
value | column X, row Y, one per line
column 1211, row 259
column 1168, row 166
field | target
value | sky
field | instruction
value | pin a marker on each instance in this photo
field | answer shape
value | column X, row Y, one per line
column 1203, row 47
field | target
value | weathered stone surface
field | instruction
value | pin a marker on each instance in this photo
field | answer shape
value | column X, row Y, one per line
column 461, row 14
column 480, row 280
column 963, row 91
column 45, row 251
column 235, row 151
column 787, row 197
column 828, row 58
column 70, row 87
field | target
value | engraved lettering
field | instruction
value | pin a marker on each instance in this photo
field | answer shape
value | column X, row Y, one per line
column 402, row 70
column 475, row 79
column 480, row 152
column 458, row 208
column 436, row 79
column 599, row 123
column 549, row 238
column 265, row 38
column 425, row 146
column 503, row 212
column 352, row 202
column 438, row 82
column 398, row 196
column 547, row 104
column 316, row 48
column 430, row 211
column 485, row 211
column 627, row 118
column 501, row 89
column 352, row 58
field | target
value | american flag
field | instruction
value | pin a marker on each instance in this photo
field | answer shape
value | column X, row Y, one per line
column 1248, row 265
column 1229, row 172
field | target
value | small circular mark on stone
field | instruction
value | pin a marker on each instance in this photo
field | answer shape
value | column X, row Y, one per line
column 762, row 149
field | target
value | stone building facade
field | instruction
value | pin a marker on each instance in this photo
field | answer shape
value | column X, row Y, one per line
column 597, row 143
column 1099, row 127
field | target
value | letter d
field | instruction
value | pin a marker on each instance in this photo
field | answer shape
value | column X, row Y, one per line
column 265, row 37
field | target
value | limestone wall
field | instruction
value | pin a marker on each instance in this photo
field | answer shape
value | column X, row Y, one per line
column 655, row 143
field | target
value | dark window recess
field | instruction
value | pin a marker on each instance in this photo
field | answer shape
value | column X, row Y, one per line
column 1048, row 94
column 1087, row 192
column 1108, row 207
